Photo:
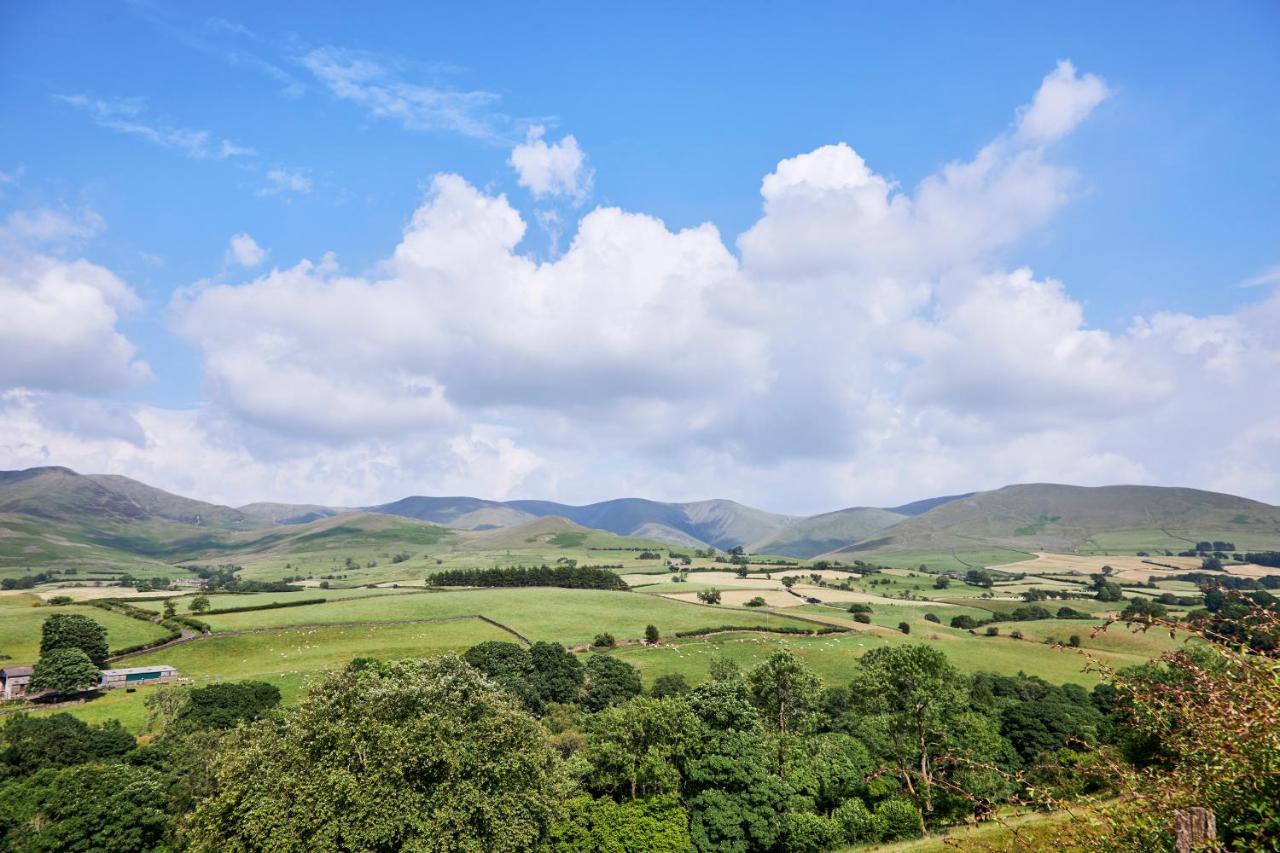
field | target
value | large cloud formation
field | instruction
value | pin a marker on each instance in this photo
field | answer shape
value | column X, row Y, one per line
column 865, row 344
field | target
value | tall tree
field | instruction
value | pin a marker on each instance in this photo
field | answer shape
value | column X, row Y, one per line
column 913, row 695
column 787, row 694
column 635, row 748
column 74, row 631
column 64, row 671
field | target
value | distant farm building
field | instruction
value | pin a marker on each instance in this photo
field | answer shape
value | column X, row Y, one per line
column 13, row 681
column 137, row 675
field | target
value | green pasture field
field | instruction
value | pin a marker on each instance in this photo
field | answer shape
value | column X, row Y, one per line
column 540, row 613
column 888, row 614
column 290, row 658
column 834, row 657
column 438, row 556
column 252, row 599
column 1254, row 537
column 1008, row 605
column 20, row 629
column 957, row 560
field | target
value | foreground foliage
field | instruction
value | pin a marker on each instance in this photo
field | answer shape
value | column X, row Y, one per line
column 511, row 747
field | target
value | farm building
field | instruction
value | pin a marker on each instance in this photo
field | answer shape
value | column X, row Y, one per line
column 13, row 681
column 137, row 675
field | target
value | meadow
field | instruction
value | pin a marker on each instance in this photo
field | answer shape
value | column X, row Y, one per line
column 569, row 616
column 20, row 623
column 289, row 658
column 834, row 657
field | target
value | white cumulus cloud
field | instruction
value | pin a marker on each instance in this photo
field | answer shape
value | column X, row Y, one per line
column 244, row 251
column 870, row 343
column 555, row 169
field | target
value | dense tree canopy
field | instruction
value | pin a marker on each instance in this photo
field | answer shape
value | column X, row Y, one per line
column 113, row 808
column 222, row 706
column 28, row 744
column 425, row 755
column 74, row 631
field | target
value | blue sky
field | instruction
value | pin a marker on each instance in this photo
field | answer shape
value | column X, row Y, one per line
column 158, row 132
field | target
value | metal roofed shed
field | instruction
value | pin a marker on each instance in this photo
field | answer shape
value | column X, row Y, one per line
column 134, row 676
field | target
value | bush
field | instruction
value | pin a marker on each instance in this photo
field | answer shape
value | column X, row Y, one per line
column 709, row 596
column 904, row 627
column 1016, row 634
column 862, row 618
column 806, row 832
column 609, row 682
column 60, row 600
column 930, row 617
column 901, row 819
column 1074, row 641
column 859, row 607
column 604, row 641
column 963, row 622
column 756, row 602
column 857, row 822
column 671, row 684
column 992, row 631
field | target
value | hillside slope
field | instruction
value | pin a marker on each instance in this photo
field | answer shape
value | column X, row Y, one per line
column 1066, row 519
column 819, row 534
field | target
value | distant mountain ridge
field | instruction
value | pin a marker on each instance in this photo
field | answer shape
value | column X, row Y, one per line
column 119, row 513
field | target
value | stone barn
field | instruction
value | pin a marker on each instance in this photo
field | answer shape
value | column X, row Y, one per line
column 13, row 681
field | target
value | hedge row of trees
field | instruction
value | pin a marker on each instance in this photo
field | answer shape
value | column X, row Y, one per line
column 568, row 577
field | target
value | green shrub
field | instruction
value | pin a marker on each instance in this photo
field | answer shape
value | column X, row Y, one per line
column 904, row 627
column 862, row 618
column 993, row 631
column 806, row 832
column 901, row 819
column 930, row 617
column 604, row 641
column 857, row 822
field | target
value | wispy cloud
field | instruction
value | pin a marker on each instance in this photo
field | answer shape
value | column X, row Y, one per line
column 222, row 39
column 129, row 116
column 1270, row 276
column 44, row 226
column 281, row 180
column 374, row 83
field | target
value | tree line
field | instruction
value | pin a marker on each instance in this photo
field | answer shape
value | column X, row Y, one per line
column 568, row 577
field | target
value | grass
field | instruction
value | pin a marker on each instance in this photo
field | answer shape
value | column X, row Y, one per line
column 960, row 559
column 218, row 601
column 290, row 659
column 834, row 657
column 20, row 629
column 540, row 613
column 1035, row 831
